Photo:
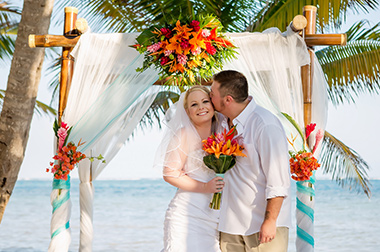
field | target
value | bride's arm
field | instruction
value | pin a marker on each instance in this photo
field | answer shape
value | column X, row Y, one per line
column 186, row 183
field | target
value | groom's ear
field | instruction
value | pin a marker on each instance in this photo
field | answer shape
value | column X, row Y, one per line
column 228, row 99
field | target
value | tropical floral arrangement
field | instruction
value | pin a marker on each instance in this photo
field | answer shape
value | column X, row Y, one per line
column 222, row 149
column 303, row 162
column 67, row 155
column 188, row 51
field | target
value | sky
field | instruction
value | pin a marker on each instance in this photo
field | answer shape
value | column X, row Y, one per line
column 354, row 124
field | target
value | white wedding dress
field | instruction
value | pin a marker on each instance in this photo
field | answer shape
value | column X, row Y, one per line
column 190, row 224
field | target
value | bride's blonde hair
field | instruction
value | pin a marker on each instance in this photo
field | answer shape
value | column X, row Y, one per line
column 193, row 89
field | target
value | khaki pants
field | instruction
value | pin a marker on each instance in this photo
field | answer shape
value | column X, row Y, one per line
column 250, row 243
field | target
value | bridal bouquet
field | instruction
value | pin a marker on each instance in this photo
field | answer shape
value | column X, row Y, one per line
column 67, row 155
column 186, row 49
column 222, row 149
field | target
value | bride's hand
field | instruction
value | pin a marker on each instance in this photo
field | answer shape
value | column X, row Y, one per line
column 214, row 185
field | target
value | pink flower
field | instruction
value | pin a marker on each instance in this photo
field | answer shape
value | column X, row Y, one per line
column 206, row 33
column 182, row 59
column 164, row 60
column 154, row 48
column 219, row 138
column 197, row 51
column 62, row 134
column 318, row 139
column 195, row 25
column 64, row 125
column 310, row 128
column 168, row 52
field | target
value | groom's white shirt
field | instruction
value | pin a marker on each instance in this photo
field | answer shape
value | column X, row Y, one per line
column 262, row 175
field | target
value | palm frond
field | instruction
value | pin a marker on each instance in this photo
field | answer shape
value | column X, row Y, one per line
column 109, row 16
column 42, row 108
column 132, row 16
column 344, row 164
column 53, row 71
column 279, row 13
column 7, row 46
column 354, row 68
column 9, row 19
column 158, row 108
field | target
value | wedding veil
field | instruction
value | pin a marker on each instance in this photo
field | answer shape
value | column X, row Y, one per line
column 181, row 144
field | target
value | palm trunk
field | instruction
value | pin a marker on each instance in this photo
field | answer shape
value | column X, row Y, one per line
column 21, row 93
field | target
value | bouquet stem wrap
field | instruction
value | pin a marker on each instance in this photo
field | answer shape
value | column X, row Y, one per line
column 216, row 198
column 220, row 166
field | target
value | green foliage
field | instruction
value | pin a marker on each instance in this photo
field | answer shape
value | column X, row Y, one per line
column 344, row 164
column 353, row 69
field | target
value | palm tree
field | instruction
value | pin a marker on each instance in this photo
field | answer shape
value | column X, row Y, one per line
column 20, row 96
column 349, row 70
column 9, row 20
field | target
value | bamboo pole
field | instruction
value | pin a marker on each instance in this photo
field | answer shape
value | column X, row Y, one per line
column 307, row 71
column 67, row 62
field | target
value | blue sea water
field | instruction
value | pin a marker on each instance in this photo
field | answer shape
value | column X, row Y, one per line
column 128, row 216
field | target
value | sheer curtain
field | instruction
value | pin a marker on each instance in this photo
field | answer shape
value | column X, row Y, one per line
column 107, row 99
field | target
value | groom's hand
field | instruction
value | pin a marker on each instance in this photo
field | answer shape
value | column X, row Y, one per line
column 267, row 231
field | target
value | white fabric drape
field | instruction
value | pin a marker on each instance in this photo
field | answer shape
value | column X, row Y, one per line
column 107, row 100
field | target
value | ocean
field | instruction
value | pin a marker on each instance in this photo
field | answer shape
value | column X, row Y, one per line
column 129, row 214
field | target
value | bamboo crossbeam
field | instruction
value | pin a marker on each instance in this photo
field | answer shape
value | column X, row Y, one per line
column 52, row 41
column 325, row 39
column 307, row 71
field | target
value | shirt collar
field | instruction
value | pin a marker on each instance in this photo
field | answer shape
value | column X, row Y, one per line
column 242, row 118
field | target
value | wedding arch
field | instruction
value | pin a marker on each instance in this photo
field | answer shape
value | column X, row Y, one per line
column 105, row 98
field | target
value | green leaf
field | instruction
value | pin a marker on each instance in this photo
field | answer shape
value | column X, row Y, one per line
column 221, row 164
column 56, row 127
column 295, row 124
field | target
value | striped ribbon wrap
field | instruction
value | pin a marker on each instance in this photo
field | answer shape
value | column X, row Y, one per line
column 305, row 215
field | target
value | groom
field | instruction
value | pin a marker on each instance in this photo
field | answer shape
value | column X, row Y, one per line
column 255, row 209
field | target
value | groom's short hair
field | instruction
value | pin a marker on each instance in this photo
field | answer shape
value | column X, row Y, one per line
column 232, row 83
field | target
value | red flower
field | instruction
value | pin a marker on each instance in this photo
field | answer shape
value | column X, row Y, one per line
column 185, row 44
column 195, row 25
column 164, row 60
column 166, row 32
column 310, row 128
column 210, row 49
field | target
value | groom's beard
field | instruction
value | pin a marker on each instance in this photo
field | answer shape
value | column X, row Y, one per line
column 221, row 106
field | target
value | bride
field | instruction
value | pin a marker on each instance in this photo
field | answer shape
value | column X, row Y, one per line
column 190, row 224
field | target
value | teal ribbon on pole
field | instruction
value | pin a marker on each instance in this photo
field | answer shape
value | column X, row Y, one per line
column 305, row 236
column 308, row 211
column 63, row 197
